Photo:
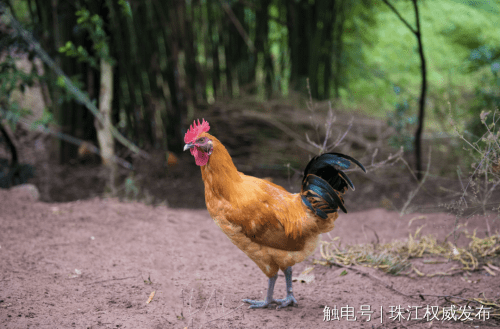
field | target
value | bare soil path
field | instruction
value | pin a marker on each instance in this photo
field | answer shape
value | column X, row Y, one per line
column 94, row 263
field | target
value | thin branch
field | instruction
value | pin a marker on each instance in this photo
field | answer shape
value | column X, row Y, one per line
column 339, row 140
column 472, row 176
column 462, row 185
column 405, row 22
column 391, row 159
column 114, row 279
column 373, row 156
column 414, row 193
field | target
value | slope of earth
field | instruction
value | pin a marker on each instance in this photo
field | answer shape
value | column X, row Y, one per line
column 94, row 263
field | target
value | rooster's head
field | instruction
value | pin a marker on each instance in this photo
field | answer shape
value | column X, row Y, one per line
column 198, row 142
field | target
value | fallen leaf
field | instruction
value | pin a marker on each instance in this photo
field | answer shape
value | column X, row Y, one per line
column 77, row 273
column 344, row 272
column 305, row 277
column 308, row 278
column 150, row 297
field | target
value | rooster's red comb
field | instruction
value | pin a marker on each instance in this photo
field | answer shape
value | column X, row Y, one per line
column 195, row 130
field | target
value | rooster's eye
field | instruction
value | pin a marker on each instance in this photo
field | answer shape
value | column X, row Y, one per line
column 201, row 140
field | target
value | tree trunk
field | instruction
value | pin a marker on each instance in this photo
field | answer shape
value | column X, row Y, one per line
column 104, row 135
column 423, row 92
column 418, row 34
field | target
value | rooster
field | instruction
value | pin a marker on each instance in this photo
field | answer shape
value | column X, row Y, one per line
column 273, row 227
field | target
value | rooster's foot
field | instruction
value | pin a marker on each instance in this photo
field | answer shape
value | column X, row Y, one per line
column 288, row 301
column 261, row 303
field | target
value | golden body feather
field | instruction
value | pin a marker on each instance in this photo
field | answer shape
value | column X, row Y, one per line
column 270, row 225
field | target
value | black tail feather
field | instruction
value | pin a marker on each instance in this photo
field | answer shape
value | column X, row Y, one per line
column 324, row 183
column 346, row 179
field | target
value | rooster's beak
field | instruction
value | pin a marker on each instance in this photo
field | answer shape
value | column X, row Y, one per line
column 188, row 146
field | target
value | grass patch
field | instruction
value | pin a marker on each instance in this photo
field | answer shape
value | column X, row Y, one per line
column 396, row 257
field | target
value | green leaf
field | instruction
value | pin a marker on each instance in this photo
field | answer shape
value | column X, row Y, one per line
column 125, row 8
column 344, row 272
column 60, row 82
column 46, row 119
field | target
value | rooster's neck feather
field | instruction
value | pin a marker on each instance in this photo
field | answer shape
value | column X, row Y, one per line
column 220, row 173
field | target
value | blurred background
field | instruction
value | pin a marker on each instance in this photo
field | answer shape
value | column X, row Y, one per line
column 96, row 95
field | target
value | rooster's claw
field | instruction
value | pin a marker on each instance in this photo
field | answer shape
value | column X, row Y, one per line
column 288, row 301
column 260, row 303
column 282, row 303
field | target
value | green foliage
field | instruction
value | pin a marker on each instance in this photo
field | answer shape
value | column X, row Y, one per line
column 94, row 25
column 451, row 29
column 46, row 119
column 278, row 46
column 403, row 123
column 67, row 94
column 485, row 60
column 80, row 53
column 14, row 114
column 485, row 5
column 378, row 52
column 131, row 189
column 359, row 37
column 12, row 79
column 60, row 82
column 125, row 8
column 21, row 8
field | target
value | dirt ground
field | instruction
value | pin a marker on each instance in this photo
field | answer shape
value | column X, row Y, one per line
column 94, row 263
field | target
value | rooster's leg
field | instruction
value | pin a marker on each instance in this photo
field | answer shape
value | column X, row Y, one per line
column 269, row 299
column 289, row 300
